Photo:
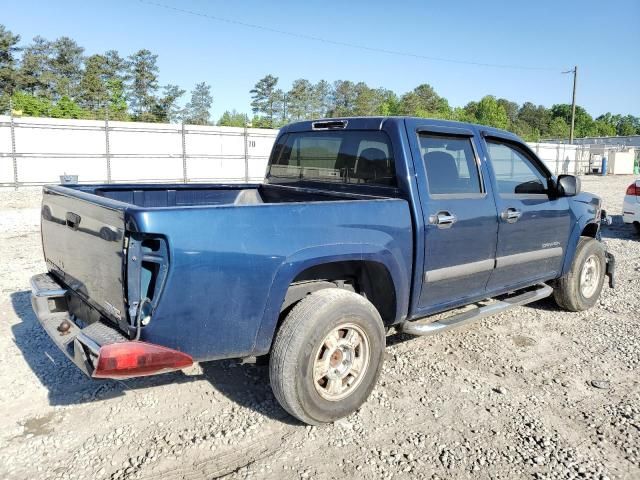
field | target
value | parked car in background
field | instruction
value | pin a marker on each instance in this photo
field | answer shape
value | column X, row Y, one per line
column 631, row 205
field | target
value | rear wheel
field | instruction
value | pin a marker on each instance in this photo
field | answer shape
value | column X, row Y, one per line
column 580, row 288
column 637, row 227
column 327, row 356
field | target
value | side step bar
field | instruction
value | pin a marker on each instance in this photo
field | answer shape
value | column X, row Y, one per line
column 458, row 320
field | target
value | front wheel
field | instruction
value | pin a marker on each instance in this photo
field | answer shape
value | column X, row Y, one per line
column 580, row 288
column 327, row 356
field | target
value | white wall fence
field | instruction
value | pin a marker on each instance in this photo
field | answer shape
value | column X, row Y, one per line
column 36, row 151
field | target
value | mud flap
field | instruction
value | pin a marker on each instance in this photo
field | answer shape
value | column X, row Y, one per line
column 611, row 269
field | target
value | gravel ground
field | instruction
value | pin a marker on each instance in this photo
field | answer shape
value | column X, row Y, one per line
column 532, row 393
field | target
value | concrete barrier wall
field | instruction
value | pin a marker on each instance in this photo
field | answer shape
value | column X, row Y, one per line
column 100, row 151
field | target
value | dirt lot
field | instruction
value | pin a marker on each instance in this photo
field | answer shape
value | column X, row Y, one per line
column 533, row 393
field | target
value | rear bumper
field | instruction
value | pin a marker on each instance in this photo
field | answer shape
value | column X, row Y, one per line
column 99, row 350
column 80, row 345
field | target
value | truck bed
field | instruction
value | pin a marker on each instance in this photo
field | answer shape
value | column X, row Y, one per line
column 180, row 195
column 215, row 261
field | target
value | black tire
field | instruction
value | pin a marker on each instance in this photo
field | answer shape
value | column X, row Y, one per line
column 637, row 227
column 568, row 292
column 300, row 346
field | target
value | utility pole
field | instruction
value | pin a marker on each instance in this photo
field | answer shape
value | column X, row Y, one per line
column 573, row 103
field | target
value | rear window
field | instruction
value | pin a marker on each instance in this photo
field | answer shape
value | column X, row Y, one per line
column 354, row 157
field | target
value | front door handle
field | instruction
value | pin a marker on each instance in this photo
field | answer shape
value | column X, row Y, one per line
column 443, row 219
column 511, row 215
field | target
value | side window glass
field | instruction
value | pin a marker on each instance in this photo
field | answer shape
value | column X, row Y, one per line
column 450, row 164
column 515, row 172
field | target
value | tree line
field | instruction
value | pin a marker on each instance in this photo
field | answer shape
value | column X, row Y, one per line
column 54, row 78
column 305, row 100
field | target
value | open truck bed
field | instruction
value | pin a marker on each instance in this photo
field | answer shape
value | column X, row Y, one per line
column 167, row 263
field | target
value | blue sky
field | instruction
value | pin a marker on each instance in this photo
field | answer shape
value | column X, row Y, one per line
column 602, row 38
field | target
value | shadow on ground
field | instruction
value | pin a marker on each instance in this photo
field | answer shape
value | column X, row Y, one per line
column 619, row 229
column 245, row 384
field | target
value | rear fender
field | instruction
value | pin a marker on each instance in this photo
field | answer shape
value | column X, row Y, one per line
column 319, row 255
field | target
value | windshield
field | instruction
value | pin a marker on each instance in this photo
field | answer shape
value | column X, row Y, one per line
column 355, row 157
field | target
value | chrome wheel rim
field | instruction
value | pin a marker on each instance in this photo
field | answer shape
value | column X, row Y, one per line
column 341, row 362
column 590, row 276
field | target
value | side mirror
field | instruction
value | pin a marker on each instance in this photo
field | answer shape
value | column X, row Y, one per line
column 568, row 186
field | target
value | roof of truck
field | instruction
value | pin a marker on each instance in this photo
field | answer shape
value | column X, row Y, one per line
column 376, row 123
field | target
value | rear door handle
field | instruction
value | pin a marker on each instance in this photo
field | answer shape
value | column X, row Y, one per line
column 511, row 215
column 443, row 219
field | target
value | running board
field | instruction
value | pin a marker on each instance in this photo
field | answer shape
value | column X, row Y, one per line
column 458, row 320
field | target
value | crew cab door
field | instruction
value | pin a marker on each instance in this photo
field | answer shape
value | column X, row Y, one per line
column 459, row 214
column 534, row 226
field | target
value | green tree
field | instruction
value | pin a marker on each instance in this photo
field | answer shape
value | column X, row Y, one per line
column 489, row 112
column 166, row 107
column 584, row 124
column 300, row 99
column 321, row 102
column 118, row 108
column 512, row 109
column 344, row 98
column 534, row 118
column 66, row 67
column 67, row 108
column 30, row 105
column 116, row 74
column 233, row 119
column 366, row 102
column 423, row 101
column 387, row 102
column 558, row 128
column 143, row 83
column 266, row 99
column 35, row 74
column 197, row 111
column 604, row 129
column 463, row 114
column 628, row 125
column 94, row 91
column 8, row 71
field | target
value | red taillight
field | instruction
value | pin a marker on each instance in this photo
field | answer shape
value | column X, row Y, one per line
column 137, row 359
column 634, row 189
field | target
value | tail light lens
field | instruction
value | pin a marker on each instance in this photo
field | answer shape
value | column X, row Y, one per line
column 137, row 359
column 634, row 189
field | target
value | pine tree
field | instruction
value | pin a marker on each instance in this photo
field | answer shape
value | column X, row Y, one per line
column 143, row 83
column 344, row 98
column 8, row 71
column 35, row 74
column 300, row 100
column 266, row 99
column 322, row 96
column 198, row 109
column 66, row 67
column 165, row 108
column 94, row 93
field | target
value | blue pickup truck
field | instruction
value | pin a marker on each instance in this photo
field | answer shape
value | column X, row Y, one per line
column 361, row 225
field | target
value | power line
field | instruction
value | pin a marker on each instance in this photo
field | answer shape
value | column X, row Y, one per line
column 342, row 44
